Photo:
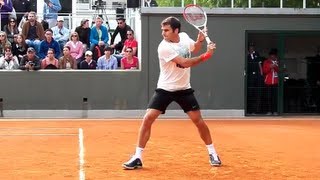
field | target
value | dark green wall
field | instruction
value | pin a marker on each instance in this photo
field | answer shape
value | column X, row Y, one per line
column 219, row 83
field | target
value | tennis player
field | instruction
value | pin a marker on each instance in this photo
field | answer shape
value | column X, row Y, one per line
column 174, row 85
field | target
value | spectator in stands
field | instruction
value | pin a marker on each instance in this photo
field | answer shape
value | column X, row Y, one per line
column 67, row 61
column 33, row 31
column 22, row 21
column 30, row 61
column 50, row 11
column 76, row 47
column 129, row 61
column 98, row 51
column 130, row 42
column 60, row 33
column 150, row 3
column 11, row 29
column 122, row 28
column 84, row 33
column 21, row 7
column 9, row 61
column 88, row 62
column 5, row 8
column 3, row 42
column 99, row 34
column 47, row 43
column 50, row 62
column 19, row 48
column 108, row 61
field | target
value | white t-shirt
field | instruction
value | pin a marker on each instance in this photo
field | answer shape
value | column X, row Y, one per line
column 172, row 77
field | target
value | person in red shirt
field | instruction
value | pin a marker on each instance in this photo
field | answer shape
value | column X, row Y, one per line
column 271, row 79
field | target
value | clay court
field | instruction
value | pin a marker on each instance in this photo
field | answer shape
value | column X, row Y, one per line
column 285, row 148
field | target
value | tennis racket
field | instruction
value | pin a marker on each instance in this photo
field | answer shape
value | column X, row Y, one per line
column 197, row 17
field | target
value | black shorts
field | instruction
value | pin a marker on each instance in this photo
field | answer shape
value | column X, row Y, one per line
column 185, row 98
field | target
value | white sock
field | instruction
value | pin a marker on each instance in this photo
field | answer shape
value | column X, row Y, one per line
column 211, row 150
column 138, row 153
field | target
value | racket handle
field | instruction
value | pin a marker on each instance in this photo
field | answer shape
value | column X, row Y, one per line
column 208, row 39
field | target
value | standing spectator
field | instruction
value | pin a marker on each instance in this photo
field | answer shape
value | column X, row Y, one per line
column 20, row 47
column 99, row 34
column 5, row 8
column 3, row 42
column 107, row 61
column 84, row 33
column 50, row 62
column 30, row 61
column 254, row 81
column 11, row 29
column 88, row 62
column 21, row 7
column 122, row 28
column 129, row 61
column 271, row 79
column 75, row 47
column 9, row 61
column 47, row 43
column 67, row 61
column 33, row 31
column 50, row 11
column 60, row 33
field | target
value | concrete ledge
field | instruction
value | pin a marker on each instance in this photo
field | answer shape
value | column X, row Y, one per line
column 114, row 114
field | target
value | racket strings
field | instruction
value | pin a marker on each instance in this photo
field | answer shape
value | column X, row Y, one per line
column 195, row 16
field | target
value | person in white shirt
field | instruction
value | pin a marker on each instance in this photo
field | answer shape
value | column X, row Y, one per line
column 9, row 61
column 175, row 60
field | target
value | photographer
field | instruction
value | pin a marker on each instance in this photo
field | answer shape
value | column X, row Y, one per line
column 30, row 61
column 9, row 61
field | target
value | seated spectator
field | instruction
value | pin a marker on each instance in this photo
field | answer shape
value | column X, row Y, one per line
column 47, row 43
column 88, row 62
column 33, row 31
column 3, row 42
column 30, row 61
column 99, row 34
column 11, row 29
column 129, row 42
column 122, row 29
column 129, row 61
column 50, row 62
column 84, row 33
column 9, row 61
column 60, row 33
column 107, row 61
column 22, row 21
column 67, row 61
column 76, row 47
column 98, row 51
column 19, row 48
column 5, row 8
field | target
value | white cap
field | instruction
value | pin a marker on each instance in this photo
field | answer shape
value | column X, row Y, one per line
column 60, row 19
column 88, row 53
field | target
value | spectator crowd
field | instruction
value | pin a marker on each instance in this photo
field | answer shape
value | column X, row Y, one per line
column 28, row 43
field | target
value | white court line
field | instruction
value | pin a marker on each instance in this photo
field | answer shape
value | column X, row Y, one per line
column 31, row 134
column 81, row 156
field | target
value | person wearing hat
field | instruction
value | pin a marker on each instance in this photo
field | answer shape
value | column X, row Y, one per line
column 122, row 29
column 30, row 61
column 84, row 33
column 60, row 33
column 271, row 79
column 88, row 62
column 50, row 11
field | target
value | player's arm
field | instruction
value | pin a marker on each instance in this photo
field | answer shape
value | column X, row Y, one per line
column 189, row 62
column 198, row 43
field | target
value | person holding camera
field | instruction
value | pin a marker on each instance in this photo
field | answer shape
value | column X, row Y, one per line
column 8, row 61
column 30, row 61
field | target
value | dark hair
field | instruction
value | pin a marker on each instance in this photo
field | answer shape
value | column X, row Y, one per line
column 273, row 51
column 68, row 47
column 48, row 30
column 173, row 22
column 108, row 49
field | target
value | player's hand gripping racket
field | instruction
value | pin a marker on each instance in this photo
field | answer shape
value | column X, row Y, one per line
column 197, row 17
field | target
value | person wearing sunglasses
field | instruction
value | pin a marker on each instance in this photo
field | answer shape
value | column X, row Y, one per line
column 11, row 29
column 129, row 61
column 3, row 42
column 122, row 29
